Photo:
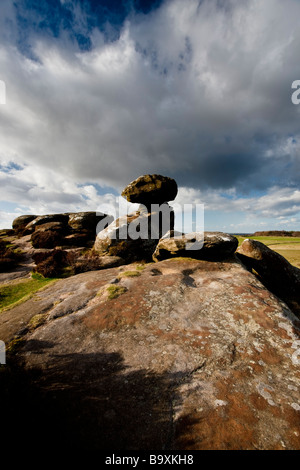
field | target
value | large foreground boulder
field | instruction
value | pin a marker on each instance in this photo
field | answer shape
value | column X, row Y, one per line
column 274, row 270
column 180, row 354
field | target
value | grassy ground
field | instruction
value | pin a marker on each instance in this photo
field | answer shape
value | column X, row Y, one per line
column 289, row 247
column 16, row 292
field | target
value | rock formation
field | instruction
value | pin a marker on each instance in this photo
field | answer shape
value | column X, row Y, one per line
column 134, row 237
column 195, row 351
column 69, row 229
column 180, row 354
column 209, row 245
column 276, row 273
column 151, row 189
column 21, row 222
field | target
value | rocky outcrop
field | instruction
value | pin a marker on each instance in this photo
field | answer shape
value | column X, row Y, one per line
column 134, row 237
column 209, row 245
column 21, row 222
column 180, row 354
column 68, row 229
column 43, row 220
column 196, row 351
column 151, row 189
column 276, row 273
column 49, row 235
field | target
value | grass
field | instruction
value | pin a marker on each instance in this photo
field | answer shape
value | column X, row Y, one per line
column 288, row 247
column 272, row 240
column 130, row 274
column 14, row 293
column 115, row 291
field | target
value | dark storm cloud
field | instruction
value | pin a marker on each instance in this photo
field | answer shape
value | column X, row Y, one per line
column 200, row 91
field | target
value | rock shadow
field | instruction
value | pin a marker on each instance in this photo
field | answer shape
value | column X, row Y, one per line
column 89, row 402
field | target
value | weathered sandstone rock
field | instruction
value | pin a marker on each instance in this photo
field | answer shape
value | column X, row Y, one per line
column 180, row 354
column 151, row 189
column 209, row 245
column 79, row 221
column 274, row 270
column 69, row 229
column 48, row 235
column 135, row 236
column 21, row 222
column 45, row 219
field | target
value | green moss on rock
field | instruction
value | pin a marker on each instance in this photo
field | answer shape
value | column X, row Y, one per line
column 115, row 291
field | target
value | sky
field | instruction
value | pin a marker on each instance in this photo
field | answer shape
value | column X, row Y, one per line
column 94, row 94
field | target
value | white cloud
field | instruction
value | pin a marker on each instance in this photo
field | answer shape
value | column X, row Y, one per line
column 196, row 90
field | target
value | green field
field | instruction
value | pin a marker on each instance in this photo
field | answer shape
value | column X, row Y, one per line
column 289, row 247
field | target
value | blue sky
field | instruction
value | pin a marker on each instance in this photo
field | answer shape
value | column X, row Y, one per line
column 101, row 92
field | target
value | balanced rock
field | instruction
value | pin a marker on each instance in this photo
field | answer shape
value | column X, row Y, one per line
column 151, row 189
column 276, row 273
column 183, row 354
column 206, row 245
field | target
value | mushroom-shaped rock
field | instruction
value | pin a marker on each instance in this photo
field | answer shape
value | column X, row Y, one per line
column 151, row 189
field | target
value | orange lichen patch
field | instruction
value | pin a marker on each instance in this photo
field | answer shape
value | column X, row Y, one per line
column 258, row 402
column 270, row 356
column 169, row 280
column 282, row 333
column 196, row 332
column 238, row 314
column 259, row 315
column 91, row 285
column 292, row 430
column 116, row 313
column 238, row 290
column 249, row 306
column 211, row 431
column 228, row 427
column 267, row 355
column 198, row 341
column 289, row 417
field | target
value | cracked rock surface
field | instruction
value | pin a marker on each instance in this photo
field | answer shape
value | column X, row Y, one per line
column 178, row 354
